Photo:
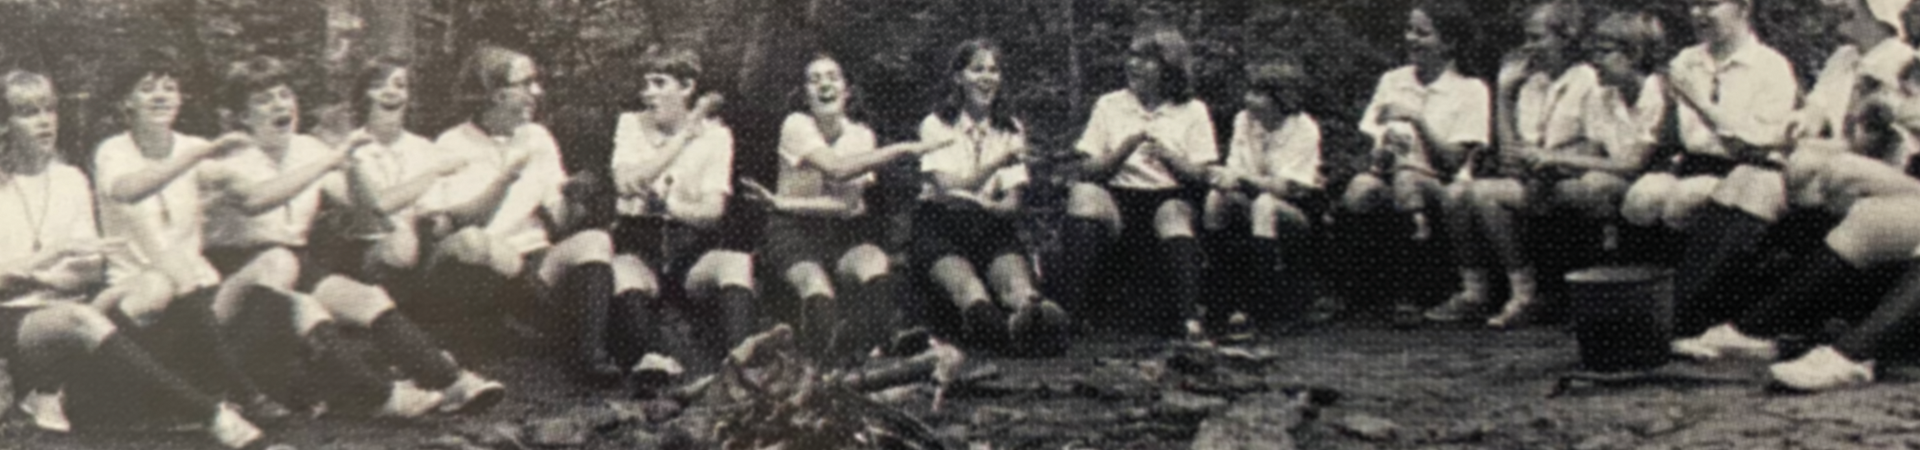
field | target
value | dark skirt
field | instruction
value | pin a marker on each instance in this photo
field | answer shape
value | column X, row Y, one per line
column 978, row 236
column 792, row 239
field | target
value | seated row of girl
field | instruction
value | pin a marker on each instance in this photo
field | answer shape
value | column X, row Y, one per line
column 1580, row 112
column 1841, row 214
column 202, row 251
column 1151, row 165
column 1828, row 182
column 54, row 325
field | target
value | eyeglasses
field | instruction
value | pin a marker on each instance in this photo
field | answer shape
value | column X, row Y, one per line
column 520, row 83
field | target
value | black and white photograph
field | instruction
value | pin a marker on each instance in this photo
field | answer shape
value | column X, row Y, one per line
column 959, row 224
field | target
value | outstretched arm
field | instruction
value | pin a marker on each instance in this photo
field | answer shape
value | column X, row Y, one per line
column 260, row 196
column 137, row 186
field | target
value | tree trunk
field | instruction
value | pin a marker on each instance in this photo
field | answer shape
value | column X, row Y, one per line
column 389, row 29
column 344, row 27
column 1074, row 77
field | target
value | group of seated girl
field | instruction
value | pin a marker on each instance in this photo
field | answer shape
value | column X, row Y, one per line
column 220, row 273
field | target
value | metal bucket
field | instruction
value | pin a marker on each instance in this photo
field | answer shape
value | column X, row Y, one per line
column 1622, row 316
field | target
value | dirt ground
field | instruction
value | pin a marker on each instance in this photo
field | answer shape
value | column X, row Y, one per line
column 1431, row 388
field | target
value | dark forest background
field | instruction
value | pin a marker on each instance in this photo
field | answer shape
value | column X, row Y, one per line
column 1062, row 54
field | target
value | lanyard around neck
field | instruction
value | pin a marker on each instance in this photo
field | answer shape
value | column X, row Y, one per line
column 36, row 221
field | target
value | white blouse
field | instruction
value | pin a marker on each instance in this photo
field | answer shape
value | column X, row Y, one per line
column 1183, row 127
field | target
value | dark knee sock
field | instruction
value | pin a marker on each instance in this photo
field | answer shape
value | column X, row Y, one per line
column 1704, row 291
column 1185, row 258
column 346, row 377
column 1070, row 274
column 1251, row 288
column 145, row 337
column 1892, row 321
column 868, row 311
column 41, row 369
column 411, row 349
column 817, row 324
column 1801, row 306
column 592, row 283
column 736, row 309
column 1289, row 251
column 266, row 343
column 634, row 327
column 121, row 362
column 203, row 343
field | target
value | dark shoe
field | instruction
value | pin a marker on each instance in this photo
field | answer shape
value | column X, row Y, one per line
column 1042, row 328
column 1055, row 331
column 984, row 325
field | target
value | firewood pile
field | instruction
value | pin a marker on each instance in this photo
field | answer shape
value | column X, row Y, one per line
column 768, row 397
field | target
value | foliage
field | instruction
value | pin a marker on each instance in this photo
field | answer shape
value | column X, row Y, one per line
column 892, row 49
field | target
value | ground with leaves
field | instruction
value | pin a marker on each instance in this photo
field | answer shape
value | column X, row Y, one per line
column 1440, row 388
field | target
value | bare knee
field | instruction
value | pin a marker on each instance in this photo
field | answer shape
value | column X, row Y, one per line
column 1687, row 198
column 1012, row 277
column 1876, row 231
column 952, row 269
column 1173, row 219
column 588, row 246
column 1645, row 203
column 1214, row 211
column 863, row 263
column 1360, row 193
column 351, row 301
column 276, row 267
column 959, row 279
column 1280, row 214
column 725, row 268
column 400, row 250
column 469, row 246
column 142, row 298
column 1091, row 202
column 65, row 324
column 809, row 279
column 630, row 274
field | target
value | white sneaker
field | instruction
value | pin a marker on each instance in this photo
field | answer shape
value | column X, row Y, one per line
column 1460, row 306
column 1516, row 312
column 663, row 365
column 409, row 401
column 1822, row 369
column 231, row 430
column 47, row 411
column 471, row 393
column 1724, row 341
